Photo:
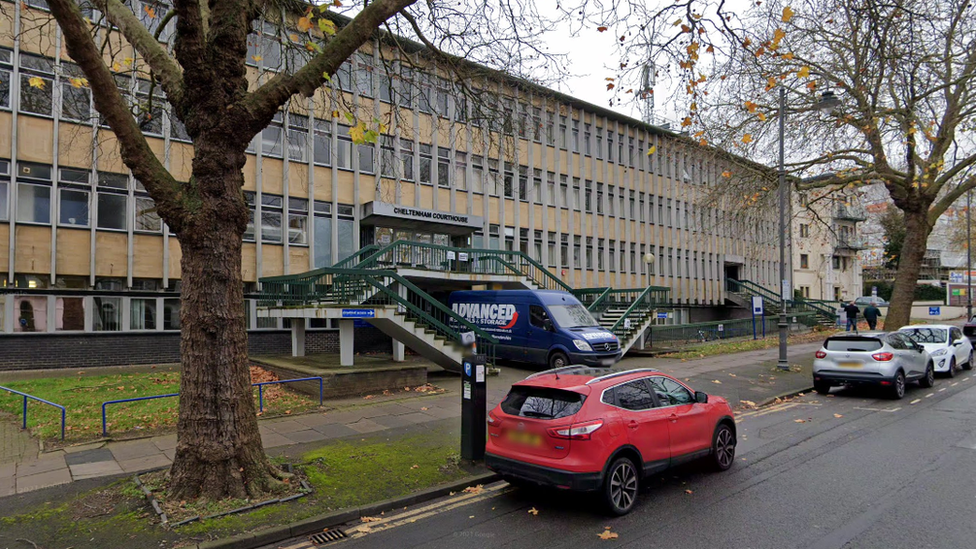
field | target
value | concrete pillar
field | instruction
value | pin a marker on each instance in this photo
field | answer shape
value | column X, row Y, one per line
column 298, row 337
column 399, row 349
column 346, row 342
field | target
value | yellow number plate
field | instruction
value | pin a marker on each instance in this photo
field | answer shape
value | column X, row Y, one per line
column 850, row 364
column 528, row 439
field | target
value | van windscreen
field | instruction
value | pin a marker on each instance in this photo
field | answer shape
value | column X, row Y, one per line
column 852, row 344
column 542, row 403
column 572, row 316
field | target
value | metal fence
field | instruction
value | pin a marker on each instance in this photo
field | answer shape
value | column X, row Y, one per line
column 703, row 332
column 37, row 399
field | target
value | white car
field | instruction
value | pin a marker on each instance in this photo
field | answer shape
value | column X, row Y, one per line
column 947, row 345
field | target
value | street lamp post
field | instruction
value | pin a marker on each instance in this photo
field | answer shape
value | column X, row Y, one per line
column 827, row 102
column 969, row 259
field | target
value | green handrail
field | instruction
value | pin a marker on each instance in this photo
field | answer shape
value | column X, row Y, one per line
column 354, row 259
column 630, row 310
column 583, row 294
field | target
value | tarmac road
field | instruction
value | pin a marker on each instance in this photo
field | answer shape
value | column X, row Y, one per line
column 860, row 471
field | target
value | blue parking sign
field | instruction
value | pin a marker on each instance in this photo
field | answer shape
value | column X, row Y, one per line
column 935, row 311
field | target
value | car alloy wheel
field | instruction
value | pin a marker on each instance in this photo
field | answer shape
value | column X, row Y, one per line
column 898, row 389
column 969, row 363
column 621, row 486
column 724, row 448
column 929, row 379
column 952, row 367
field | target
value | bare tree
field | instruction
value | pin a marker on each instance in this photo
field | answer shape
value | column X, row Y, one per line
column 904, row 72
column 205, row 79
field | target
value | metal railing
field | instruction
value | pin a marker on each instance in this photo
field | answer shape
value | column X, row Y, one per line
column 798, row 305
column 37, row 399
column 589, row 296
column 656, row 296
column 372, row 288
column 703, row 332
column 260, row 387
column 635, row 314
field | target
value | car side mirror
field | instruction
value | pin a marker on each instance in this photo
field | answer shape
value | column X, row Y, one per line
column 701, row 397
column 548, row 326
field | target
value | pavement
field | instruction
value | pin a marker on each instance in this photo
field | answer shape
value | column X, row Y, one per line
column 24, row 468
column 853, row 470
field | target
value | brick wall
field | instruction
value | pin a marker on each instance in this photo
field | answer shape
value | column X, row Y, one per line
column 37, row 351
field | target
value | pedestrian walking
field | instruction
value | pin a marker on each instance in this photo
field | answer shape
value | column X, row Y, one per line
column 871, row 314
column 851, row 310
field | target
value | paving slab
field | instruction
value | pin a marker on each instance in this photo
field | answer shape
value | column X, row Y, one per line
column 349, row 416
column 335, row 430
column 392, row 421
column 284, row 427
column 129, row 450
column 165, row 442
column 89, row 456
column 8, row 486
column 28, row 483
column 441, row 413
column 145, row 463
column 418, row 417
column 170, row 454
column 365, row 426
column 307, row 435
column 8, row 470
column 273, row 440
column 83, row 447
column 44, row 464
column 314, row 420
column 96, row 469
column 385, row 410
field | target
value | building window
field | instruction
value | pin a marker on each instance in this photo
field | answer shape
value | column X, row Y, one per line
column 298, row 221
column 574, row 142
column 388, row 157
column 322, row 225
column 6, row 68
column 599, row 199
column 804, row 230
column 804, row 261
column 523, row 188
column 366, row 153
column 36, row 84
column 271, row 138
column 297, row 137
column 113, row 201
column 477, row 174
column 564, row 250
column 460, row 170
column 551, row 248
column 344, row 148
column 406, row 157
column 586, row 139
column 142, row 314
column 509, row 181
column 73, row 207
column 147, row 218
column 322, row 142
column 364, row 76
column 443, row 167
column 347, row 238
column 75, row 98
column 600, row 252
column 107, row 314
column 836, row 262
column 30, row 313
column 426, row 159
column 589, row 252
column 69, row 314
column 171, row 314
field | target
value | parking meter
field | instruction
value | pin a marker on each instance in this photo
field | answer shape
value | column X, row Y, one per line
column 474, row 400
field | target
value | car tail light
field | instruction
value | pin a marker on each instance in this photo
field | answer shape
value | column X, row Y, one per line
column 882, row 357
column 580, row 431
column 492, row 420
column 821, row 354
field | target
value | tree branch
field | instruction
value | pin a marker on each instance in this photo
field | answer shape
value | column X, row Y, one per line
column 136, row 153
column 166, row 69
column 949, row 198
column 262, row 103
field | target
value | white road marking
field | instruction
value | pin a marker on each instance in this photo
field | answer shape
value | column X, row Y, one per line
column 942, row 389
column 930, row 395
column 886, row 410
column 916, row 401
column 954, row 384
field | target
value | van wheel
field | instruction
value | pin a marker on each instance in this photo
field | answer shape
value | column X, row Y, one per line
column 558, row 360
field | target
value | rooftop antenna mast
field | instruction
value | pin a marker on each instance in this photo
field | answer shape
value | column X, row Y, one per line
column 648, row 74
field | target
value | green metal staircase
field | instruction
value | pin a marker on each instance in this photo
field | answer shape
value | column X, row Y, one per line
column 376, row 276
column 825, row 311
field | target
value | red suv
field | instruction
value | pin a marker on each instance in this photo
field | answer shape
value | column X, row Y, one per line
column 589, row 429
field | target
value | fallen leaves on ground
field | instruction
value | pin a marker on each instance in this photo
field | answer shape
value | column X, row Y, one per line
column 370, row 519
column 717, row 382
column 474, row 489
column 689, row 492
column 415, row 466
column 533, row 511
column 747, row 403
column 799, row 421
column 838, row 416
column 607, row 534
column 424, row 409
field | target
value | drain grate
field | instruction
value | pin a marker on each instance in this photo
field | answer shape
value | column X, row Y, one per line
column 327, row 537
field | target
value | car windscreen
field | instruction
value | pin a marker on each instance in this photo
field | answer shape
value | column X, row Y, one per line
column 542, row 403
column 571, row 316
column 852, row 344
column 926, row 335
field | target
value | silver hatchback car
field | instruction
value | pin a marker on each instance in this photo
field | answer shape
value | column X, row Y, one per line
column 888, row 360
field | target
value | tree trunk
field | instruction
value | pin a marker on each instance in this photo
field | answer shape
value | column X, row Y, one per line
column 219, row 453
column 917, row 231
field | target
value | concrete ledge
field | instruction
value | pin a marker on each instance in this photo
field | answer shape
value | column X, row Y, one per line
column 318, row 523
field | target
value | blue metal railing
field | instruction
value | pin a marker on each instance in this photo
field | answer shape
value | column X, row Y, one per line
column 42, row 401
column 260, row 387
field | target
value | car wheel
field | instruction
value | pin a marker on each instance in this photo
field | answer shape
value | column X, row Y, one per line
column 928, row 379
column 898, row 387
column 620, row 487
column 952, row 367
column 821, row 388
column 969, row 363
column 723, row 448
column 558, row 360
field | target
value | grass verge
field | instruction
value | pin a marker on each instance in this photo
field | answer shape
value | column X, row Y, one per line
column 343, row 474
column 742, row 345
column 84, row 394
